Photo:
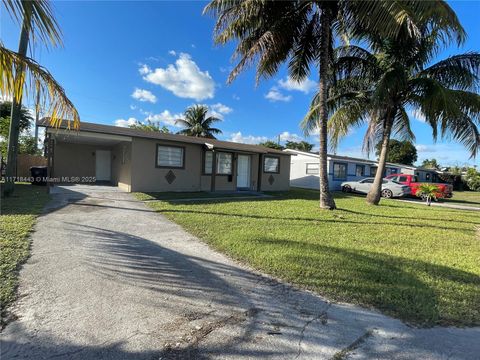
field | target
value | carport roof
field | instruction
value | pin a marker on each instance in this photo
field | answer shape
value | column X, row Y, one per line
column 116, row 130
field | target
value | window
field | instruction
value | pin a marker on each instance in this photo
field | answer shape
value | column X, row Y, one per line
column 402, row 179
column 208, row 162
column 271, row 164
column 393, row 171
column 312, row 168
column 367, row 181
column 394, row 178
column 339, row 171
column 170, row 156
column 427, row 177
column 224, row 163
column 373, row 171
column 360, row 170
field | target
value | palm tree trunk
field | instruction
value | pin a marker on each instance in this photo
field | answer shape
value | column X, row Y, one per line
column 326, row 199
column 14, row 131
column 373, row 196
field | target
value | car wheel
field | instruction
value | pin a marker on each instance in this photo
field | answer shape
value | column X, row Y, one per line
column 387, row 193
column 346, row 188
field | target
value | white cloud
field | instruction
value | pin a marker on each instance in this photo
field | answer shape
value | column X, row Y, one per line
column 165, row 117
column 275, row 95
column 305, row 86
column 184, row 79
column 144, row 69
column 286, row 136
column 172, row 52
column 248, row 139
column 144, row 95
column 235, row 97
column 133, row 107
column 221, row 108
column 125, row 123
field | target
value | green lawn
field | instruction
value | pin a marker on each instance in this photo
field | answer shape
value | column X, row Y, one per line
column 18, row 214
column 466, row 198
column 417, row 263
column 189, row 195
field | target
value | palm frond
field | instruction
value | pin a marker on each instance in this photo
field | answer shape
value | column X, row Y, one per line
column 39, row 19
column 37, row 80
column 459, row 71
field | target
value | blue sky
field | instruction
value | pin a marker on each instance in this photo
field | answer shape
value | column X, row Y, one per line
column 136, row 60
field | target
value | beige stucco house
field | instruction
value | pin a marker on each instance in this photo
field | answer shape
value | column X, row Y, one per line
column 136, row 160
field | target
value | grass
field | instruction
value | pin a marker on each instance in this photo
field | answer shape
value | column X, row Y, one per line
column 466, row 198
column 189, row 195
column 414, row 262
column 18, row 214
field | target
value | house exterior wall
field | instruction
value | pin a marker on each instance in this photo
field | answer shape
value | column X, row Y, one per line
column 281, row 181
column 146, row 176
column 75, row 160
column 122, row 166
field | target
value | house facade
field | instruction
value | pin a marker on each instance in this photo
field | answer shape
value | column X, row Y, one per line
column 136, row 160
column 304, row 170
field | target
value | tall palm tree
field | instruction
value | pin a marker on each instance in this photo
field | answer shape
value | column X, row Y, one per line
column 197, row 123
column 381, row 88
column 20, row 74
column 302, row 32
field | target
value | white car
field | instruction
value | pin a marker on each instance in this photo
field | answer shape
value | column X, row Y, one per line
column 389, row 188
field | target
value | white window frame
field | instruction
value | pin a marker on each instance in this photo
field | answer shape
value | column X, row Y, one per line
column 161, row 147
column 312, row 168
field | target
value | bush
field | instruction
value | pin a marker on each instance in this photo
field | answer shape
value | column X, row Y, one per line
column 472, row 179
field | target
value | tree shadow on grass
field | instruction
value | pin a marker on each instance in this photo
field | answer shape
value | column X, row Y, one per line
column 317, row 219
column 415, row 291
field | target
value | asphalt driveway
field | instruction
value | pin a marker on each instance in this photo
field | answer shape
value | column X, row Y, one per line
column 110, row 279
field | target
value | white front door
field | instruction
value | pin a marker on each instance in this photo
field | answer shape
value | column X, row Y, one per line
column 102, row 165
column 243, row 172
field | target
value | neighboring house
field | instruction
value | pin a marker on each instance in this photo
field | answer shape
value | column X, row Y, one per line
column 136, row 160
column 304, row 170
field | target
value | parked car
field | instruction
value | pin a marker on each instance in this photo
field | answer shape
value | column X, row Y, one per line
column 389, row 188
column 445, row 190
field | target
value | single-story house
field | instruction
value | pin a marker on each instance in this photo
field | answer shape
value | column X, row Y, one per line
column 137, row 160
column 304, row 170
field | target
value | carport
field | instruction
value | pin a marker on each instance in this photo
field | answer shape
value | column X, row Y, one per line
column 77, row 157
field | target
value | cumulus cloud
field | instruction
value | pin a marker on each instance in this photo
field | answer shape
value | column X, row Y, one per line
column 165, row 117
column 289, row 84
column 144, row 69
column 125, row 122
column 172, row 52
column 221, row 108
column 286, row 136
column 144, row 95
column 184, row 79
column 275, row 95
column 248, row 139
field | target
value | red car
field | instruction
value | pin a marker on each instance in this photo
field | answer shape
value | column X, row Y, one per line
column 412, row 181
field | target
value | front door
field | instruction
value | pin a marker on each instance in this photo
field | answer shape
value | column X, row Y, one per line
column 243, row 172
column 102, row 165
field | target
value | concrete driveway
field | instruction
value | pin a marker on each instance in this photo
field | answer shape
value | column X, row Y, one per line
column 110, row 279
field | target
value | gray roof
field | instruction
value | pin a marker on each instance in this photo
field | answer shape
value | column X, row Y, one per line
column 117, row 130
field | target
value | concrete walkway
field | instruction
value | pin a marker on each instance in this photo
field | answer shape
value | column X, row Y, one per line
column 110, row 279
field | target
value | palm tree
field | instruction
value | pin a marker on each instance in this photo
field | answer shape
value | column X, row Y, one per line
column 196, row 123
column 379, row 88
column 19, row 74
column 428, row 192
column 302, row 32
